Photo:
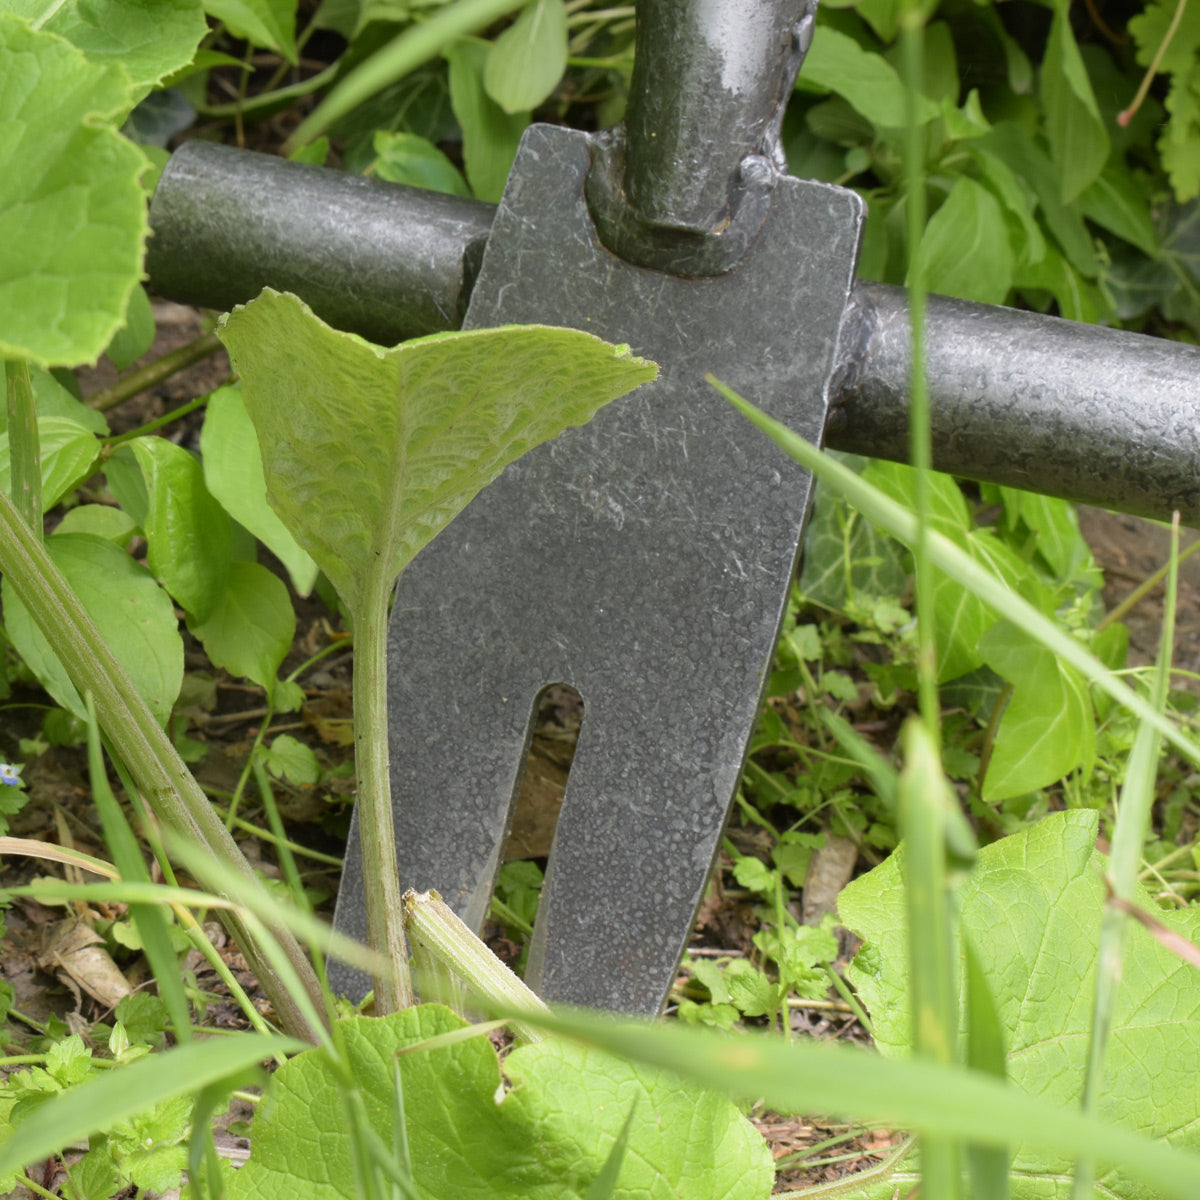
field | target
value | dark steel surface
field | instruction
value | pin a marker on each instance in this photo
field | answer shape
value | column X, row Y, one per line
column 1017, row 398
column 1091, row 414
column 385, row 261
column 644, row 559
column 685, row 182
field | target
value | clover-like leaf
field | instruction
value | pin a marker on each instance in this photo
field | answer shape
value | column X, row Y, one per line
column 369, row 453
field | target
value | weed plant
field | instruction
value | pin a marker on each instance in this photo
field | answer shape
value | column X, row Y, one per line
column 1035, row 1013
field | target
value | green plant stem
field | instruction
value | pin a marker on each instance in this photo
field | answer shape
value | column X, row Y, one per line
column 24, row 453
column 154, row 373
column 385, row 915
column 170, row 789
column 433, row 923
column 1144, row 588
column 176, row 414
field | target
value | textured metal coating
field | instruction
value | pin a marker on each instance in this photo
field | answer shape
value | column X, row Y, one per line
column 644, row 559
column 1090, row 414
column 385, row 261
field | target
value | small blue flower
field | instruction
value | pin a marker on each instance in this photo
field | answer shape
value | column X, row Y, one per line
column 10, row 773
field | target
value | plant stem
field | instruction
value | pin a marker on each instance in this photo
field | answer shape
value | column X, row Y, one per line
column 385, row 915
column 155, row 372
column 170, row 789
column 24, row 455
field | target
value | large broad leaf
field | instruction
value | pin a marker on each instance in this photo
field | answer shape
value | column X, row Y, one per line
column 1032, row 912
column 264, row 22
column 71, row 208
column 470, row 1139
column 233, row 471
column 188, row 533
column 369, row 453
column 528, row 59
column 149, row 38
column 134, row 616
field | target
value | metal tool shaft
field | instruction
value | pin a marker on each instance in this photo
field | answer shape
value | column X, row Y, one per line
column 1078, row 411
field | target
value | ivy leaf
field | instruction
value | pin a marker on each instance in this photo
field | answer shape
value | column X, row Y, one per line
column 1047, row 729
column 528, row 59
column 1032, row 910
column 369, row 453
column 548, row 1137
column 71, row 207
column 133, row 614
column 1078, row 140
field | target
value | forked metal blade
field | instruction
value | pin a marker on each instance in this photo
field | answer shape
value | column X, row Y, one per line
column 644, row 559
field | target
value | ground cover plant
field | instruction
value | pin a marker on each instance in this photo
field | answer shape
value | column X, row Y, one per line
column 1034, row 1011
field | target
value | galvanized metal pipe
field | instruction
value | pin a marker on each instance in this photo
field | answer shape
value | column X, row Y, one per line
column 1057, row 407
column 385, row 261
column 1079, row 411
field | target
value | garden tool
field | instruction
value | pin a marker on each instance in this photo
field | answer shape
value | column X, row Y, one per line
column 645, row 559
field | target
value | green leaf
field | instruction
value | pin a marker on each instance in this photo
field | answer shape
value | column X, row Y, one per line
column 269, row 23
column 545, row 1139
column 132, row 612
column 103, row 520
column 250, row 628
column 293, row 760
column 528, row 59
column 1117, row 203
column 149, row 39
column 68, row 452
column 99, row 1103
column 370, row 452
column 233, row 471
column 1178, row 141
column 1032, row 911
column 53, row 400
column 1047, row 730
column 71, row 207
column 136, row 336
column 490, row 135
column 1078, row 139
column 965, row 248
column 413, row 160
column 839, row 64
column 188, row 534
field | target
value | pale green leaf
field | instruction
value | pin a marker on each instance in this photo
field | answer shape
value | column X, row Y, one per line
column 150, row 39
column 1032, row 910
column 528, row 59
column 250, row 628
column 1047, row 729
column 134, row 616
column 71, row 208
column 103, row 520
column 1078, row 139
column 190, row 541
column 415, row 161
column 965, row 249
column 68, row 454
column 370, row 452
column 270, row 23
column 136, row 336
column 490, row 135
column 547, row 1139
column 837, row 63
column 233, row 471
column 1117, row 203
column 112, row 1096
